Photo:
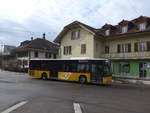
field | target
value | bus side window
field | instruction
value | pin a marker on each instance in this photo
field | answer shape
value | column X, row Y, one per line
column 93, row 68
column 97, row 68
column 66, row 68
column 100, row 69
column 83, row 68
column 72, row 67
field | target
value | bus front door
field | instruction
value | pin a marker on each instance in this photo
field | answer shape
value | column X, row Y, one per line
column 95, row 75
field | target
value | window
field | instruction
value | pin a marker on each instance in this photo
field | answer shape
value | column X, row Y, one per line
column 47, row 55
column 107, row 32
column 67, row 50
column 22, row 54
column 106, row 49
column 122, row 48
column 55, row 56
column 75, row 34
column 124, row 29
column 83, row 48
column 36, row 54
column 25, row 62
column 142, row 46
column 83, row 68
column 72, row 67
column 124, row 68
column 97, row 69
column 142, row 26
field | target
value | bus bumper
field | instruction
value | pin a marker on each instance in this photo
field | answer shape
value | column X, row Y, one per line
column 106, row 79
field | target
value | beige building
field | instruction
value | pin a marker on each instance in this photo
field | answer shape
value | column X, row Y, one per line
column 79, row 40
column 127, row 45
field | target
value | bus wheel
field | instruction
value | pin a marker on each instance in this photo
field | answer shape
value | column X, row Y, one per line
column 82, row 79
column 44, row 76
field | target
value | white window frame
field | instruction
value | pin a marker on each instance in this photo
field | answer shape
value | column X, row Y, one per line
column 124, row 48
column 107, row 32
column 124, row 29
column 142, row 26
column 75, row 34
column 142, row 46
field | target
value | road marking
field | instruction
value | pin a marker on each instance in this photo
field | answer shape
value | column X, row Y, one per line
column 77, row 108
column 14, row 107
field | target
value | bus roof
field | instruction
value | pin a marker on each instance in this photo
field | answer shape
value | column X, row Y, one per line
column 81, row 58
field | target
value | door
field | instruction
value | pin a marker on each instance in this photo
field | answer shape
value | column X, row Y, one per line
column 54, row 71
column 96, row 72
column 142, row 69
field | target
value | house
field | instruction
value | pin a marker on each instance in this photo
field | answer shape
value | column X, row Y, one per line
column 8, row 48
column 8, row 62
column 39, row 48
column 80, row 40
column 127, row 45
column 6, row 58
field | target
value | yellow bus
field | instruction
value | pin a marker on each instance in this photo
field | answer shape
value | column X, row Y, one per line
column 82, row 70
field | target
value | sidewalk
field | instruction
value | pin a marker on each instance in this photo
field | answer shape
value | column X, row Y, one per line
column 131, row 79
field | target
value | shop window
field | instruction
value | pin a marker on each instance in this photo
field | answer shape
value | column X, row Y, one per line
column 124, row 68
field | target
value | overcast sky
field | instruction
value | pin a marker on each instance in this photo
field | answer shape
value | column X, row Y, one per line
column 21, row 19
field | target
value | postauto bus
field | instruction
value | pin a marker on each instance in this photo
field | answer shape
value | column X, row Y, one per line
column 79, row 70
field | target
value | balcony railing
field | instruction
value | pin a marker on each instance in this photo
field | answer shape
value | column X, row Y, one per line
column 131, row 55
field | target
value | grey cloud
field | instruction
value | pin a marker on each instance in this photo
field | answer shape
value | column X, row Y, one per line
column 51, row 16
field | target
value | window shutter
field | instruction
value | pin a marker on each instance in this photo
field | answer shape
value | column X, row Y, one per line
column 67, row 50
column 82, row 49
column 64, row 50
column 129, row 47
column 148, row 46
column 85, row 48
column 118, row 48
column 78, row 33
column 70, row 49
column 136, row 47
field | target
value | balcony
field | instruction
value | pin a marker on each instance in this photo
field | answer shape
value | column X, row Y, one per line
column 131, row 55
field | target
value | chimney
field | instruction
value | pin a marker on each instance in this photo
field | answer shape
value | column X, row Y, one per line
column 31, row 38
column 43, row 35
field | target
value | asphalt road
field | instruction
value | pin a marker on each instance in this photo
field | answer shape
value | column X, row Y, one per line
column 59, row 97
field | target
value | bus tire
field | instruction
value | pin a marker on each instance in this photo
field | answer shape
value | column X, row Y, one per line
column 44, row 76
column 82, row 79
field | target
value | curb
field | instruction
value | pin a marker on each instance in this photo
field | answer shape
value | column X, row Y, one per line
column 127, row 81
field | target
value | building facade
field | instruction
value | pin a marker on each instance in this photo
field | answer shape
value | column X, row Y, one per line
column 79, row 40
column 39, row 48
column 127, row 45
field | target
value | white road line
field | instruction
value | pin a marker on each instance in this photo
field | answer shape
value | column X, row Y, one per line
column 14, row 107
column 77, row 108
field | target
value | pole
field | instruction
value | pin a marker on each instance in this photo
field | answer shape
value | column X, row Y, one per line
column 2, row 44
